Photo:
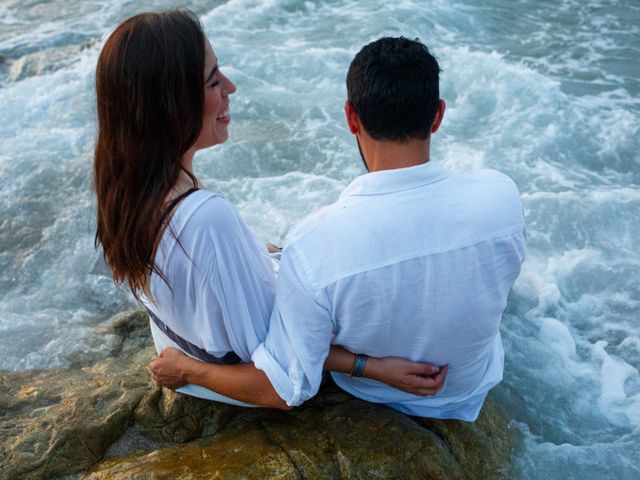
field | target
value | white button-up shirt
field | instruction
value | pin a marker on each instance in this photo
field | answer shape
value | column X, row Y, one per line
column 415, row 263
column 221, row 283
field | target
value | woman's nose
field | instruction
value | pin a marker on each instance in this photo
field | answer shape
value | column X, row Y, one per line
column 230, row 86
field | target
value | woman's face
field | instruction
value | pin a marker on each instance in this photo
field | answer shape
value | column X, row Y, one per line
column 217, row 89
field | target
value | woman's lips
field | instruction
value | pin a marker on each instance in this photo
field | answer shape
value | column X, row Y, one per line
column 224, row 117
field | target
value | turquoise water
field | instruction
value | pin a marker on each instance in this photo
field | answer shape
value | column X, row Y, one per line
column 547, row 92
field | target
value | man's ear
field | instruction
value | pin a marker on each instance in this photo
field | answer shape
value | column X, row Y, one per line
column 353, row 121
column 437, row 120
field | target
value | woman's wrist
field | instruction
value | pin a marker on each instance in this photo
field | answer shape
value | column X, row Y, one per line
column 359, row 363
column 372, row 368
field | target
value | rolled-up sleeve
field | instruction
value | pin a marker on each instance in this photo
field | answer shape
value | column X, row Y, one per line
column 300, row 332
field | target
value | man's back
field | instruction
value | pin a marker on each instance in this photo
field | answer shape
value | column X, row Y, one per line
column 415, row 263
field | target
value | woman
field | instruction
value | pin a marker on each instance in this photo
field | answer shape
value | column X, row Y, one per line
column 203, row 274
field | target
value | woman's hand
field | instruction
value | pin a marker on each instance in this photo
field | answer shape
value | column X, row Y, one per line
column 421, row 379
column 170, row 368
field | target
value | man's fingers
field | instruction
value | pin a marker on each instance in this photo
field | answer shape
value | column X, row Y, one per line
column 165, row 351
column 172, row 386
column 152, row 367
column 168, row 350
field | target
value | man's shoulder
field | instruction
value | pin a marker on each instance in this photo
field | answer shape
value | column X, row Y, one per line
column 314, row 223
column 487, row 187
column 487, row 176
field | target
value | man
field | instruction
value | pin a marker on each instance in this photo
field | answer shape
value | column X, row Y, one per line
column 412, row 261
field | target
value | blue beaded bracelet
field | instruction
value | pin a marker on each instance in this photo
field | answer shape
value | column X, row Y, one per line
column 358, row 365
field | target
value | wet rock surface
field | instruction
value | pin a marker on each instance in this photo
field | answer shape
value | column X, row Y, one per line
column 334, row 436
column 60, row 421
column 109, row 421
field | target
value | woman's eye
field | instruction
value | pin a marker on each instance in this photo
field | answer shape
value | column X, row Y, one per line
column 214, row 84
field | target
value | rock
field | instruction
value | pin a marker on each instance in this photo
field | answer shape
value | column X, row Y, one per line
column 166, row 416
column 111, row 420
column 61, row 421
column 333, row 436
column 463, row 439
column 132, row 332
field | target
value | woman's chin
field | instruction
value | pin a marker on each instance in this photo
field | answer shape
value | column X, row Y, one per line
column 212, row 142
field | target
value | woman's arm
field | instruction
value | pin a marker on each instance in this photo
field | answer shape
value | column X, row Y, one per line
column 421, row 379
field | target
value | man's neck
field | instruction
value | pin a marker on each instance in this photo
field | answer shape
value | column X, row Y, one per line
column 388, row 155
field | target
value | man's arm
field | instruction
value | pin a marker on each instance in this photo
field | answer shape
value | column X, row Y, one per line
column 242, row 382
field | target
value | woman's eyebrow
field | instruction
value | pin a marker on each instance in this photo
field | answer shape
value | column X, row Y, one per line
column 213, row 72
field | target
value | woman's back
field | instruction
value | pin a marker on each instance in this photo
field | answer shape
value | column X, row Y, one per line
column 221, row 283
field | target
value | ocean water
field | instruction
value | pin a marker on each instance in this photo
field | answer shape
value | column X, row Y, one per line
column 545, row 91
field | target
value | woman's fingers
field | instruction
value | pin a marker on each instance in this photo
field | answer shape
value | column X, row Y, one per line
column 424, row 368
column 417, row 368
column 432, row 382
column 426, row 385
column 417, row 383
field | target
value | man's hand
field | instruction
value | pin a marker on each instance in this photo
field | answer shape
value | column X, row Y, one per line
column 243, row 382
column 170, row 368
column 421, row 379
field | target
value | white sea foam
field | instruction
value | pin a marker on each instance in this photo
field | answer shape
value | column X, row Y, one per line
column 614, row 403
column 557, row 335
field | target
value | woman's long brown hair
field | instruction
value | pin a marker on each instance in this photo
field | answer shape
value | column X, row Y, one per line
column 150, row 99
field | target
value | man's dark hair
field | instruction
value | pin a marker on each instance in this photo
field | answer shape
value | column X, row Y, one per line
column 393, row 85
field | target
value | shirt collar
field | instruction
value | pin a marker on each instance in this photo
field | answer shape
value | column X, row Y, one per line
column 387, row 181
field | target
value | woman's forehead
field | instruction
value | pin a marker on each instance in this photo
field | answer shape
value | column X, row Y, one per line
column 210, row 58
